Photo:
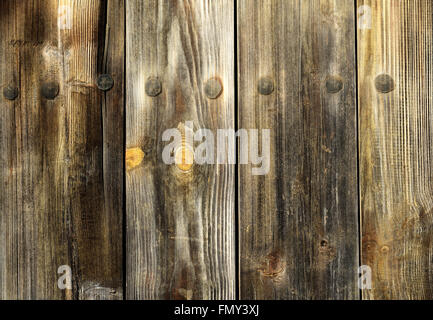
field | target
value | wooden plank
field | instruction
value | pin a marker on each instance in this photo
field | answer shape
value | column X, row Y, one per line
column 299, row 223
column 180, row 219
column 58, row 206
column 396, row 131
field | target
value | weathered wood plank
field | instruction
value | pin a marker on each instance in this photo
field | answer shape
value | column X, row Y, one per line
column 299, row 223
column 396, row 133
column 180, row 219
column 59, row 205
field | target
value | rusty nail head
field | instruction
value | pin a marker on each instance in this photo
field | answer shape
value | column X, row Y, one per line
column 265, row 86
column 10, row 92
column 384, row 83
column 50, row 90
column 334, row 84
column 105, row 82
column 153, row 87
column 213, row 88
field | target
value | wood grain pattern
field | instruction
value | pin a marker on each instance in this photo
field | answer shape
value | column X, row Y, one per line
column 62, row 186
column 396, row 132
column 299, row 223
column 180, row 224
column 63, row 162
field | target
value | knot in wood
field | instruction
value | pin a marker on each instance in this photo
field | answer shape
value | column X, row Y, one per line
column 133, row 158
column 385, row 249
column 323, row 243
column 184, row 157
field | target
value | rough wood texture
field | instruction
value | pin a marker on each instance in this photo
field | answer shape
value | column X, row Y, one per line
column 62, row 186
column 180, row 224
column 396, row 133
column 299, row 223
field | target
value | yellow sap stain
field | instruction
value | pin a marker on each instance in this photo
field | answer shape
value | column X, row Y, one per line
column 184, row 158
column 134, row 156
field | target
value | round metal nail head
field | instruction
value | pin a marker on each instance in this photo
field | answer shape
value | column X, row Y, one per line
column 334, row 84
column 213, row 88
column 265, row 86
column 50, row 90
column 105, row 82
column 10, row 93
column 153, row 87
column 384, row 83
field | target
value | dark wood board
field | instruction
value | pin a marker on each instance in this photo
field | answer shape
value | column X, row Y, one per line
column 299, row 223
column 61, row 202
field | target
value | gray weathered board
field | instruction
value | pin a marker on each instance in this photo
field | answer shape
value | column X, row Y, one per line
column 180, row 221
column 344, row 87
column 299, row 224
column 396, row 146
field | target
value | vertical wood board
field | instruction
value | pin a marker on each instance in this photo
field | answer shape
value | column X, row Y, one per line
column 180, row 222
column 299, row 223
column 396, row 131
column 58, row 204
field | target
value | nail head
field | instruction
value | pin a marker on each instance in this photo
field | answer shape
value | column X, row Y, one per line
column 10, row 93
column 50, row 90
column 384, row 83
column 213, row 88
column 105, row 82
column 153, row 87
column 334, row 84
column 265, row 86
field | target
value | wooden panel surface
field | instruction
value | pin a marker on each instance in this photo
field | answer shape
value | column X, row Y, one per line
column 63, row 162
column 60, row 202
column 396, row 152
column 299, row 223
column 180, row 223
